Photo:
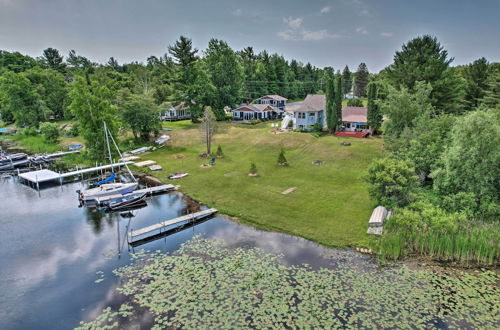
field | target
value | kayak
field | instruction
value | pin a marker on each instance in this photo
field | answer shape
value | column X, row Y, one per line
column 177, row 176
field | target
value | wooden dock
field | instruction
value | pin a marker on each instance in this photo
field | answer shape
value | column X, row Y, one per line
column 150, row 191
column 188, row 218
column 45, row 175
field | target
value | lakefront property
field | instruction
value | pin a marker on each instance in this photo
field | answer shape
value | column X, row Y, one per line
column 165, row 182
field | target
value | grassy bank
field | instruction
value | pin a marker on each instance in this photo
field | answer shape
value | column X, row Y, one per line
column 330, row 204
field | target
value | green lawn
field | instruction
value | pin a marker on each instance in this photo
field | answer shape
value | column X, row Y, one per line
column 330, row 205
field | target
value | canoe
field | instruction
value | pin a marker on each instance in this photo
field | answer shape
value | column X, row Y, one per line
column 177, row 176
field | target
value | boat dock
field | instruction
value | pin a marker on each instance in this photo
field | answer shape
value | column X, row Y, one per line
column 149, row 191
column 150, row 230
column 41, row 176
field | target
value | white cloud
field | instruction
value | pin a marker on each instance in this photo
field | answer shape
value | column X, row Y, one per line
column 361, row 30
column 325, row 10
column 364, row 12
column 386, row 34
column 293, row 23
column 237, row 12
column 315, row 35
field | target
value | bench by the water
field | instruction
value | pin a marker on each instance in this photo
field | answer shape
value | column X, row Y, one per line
column 189, row 218
column 150, row 191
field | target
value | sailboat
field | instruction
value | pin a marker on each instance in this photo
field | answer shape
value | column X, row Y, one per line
column 104, row 187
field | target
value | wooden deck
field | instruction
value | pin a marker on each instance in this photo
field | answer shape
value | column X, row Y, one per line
column 352, row 134
column 188, row 218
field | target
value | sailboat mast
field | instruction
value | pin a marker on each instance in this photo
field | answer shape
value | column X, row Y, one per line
column 107, row 142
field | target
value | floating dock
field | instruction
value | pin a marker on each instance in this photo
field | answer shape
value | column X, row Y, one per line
column 41, row 176
column 150, row 191
column 134, row 236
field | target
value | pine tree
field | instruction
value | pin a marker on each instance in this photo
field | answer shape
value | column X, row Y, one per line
column 219, row 153
column 346, row 81
column 374, row 115
column 361, row 80
column 337, row 107
column 330, row 100
column 282, row 159
column 424, row 59
column 253, row 169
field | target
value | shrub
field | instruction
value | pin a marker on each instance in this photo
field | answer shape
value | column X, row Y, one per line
column 50, row 132
column 318, row 127
column 255, row 121
column 29, row 131
column 392, row 182
column 253, row 169
column 354, row 103
column 282, row 159
column 219, row 152
column 73, row 130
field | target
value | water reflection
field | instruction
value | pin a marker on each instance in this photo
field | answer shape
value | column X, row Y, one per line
column 52, row 251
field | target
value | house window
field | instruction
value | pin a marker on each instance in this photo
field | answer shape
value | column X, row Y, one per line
column 311, row 114
column 302, row 115
column 301, row 126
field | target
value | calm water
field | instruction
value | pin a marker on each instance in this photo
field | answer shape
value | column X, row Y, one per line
column 52, row 250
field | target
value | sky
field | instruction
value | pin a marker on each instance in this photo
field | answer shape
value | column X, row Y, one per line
column 324, row 32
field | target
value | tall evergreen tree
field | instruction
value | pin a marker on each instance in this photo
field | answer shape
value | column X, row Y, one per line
column 424, row 59
column 337, row 107
column 330, row 100
column 476, row 75
column 374, row 114
column 53, row 59
column 492, row 97
column 346, row 81
column 361, row 80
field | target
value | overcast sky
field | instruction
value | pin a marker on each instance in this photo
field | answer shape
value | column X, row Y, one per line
column 325, row 33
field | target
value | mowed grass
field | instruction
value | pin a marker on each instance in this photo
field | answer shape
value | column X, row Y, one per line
column 330, row 205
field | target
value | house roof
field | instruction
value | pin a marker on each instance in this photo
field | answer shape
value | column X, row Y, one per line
column 257, row 108
column 312, row 102
column 273, row 97
column 355, row 114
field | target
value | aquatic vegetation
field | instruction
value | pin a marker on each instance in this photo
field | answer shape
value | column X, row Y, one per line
column 207, row 285
column 426, row 230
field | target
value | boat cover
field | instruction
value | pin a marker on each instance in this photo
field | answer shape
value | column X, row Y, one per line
column 110, row 179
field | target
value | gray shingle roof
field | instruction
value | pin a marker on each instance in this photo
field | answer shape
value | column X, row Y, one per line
column 355, row 114
column 274, row 97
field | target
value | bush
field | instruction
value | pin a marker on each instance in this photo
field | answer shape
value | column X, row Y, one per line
column 29, row 131
column 318, row 127
column 354, row 103
column 392, row 182
column 73, row 130
column 255, row 121
column 219, row 152
column 50, row 132
column 253, row 169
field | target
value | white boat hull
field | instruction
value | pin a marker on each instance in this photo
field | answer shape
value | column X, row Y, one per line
column 107, row 190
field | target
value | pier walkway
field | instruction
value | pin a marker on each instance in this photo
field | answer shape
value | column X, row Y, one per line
column 45, row 175
column 188, row 218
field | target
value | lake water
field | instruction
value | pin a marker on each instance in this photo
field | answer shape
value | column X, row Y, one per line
column 52, row 251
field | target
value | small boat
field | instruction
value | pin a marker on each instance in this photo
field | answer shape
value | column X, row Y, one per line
column 162, row 139
column 177, row 176
column 107, row 189
column 127, row 202
column 13, row 164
